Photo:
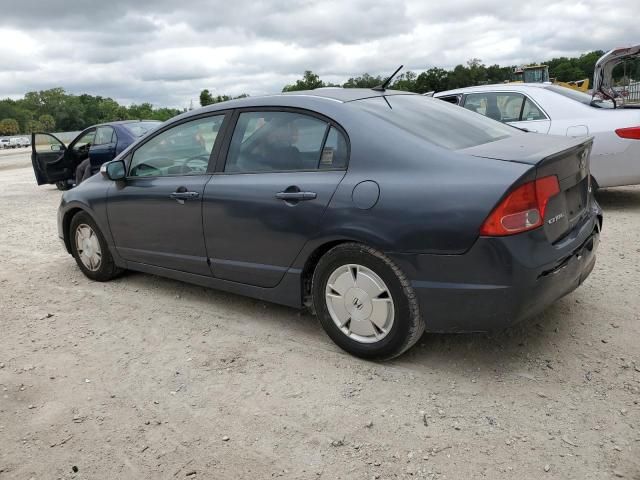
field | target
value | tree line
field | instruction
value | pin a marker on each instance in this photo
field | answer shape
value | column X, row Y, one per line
column 474, row 72
column 56, row 110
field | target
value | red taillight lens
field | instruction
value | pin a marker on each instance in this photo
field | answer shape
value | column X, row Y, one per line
column 632, row 133
column 523, row 209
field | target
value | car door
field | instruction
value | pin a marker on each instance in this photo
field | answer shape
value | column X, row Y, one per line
column 52, row 161
column 513, row 108
column 48, row 158
column 155, row 214
column 104, row 146
column 268, row 198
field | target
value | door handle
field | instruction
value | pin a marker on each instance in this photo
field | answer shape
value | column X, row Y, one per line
column 184, row 195
column 296, row 196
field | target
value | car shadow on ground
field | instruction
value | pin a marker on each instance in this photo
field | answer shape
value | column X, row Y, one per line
column 509, row 350
column 620, row 198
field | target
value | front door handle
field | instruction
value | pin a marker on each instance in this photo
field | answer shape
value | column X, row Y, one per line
column 182, row 194
column 296, row 196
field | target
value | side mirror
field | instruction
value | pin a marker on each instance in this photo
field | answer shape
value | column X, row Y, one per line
column 114, row 170
column 56, row 147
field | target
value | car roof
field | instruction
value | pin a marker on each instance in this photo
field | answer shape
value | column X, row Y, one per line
column 309, row 99
column 346, row 94
column 335, row 94
column 493, row 87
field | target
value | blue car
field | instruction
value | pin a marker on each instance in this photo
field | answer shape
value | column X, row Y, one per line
column 55, row 163
column 387, row 213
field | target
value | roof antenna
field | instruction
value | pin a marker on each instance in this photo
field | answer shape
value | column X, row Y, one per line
column 385, row 84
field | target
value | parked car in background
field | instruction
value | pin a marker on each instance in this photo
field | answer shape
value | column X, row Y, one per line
column 56, row 163
column 389, row 212
column 545, row 108
column 5, row 143
column 18, row 142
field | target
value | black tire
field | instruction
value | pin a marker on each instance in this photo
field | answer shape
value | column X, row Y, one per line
column 62, row 186
column 107, row 269
column 408, row 326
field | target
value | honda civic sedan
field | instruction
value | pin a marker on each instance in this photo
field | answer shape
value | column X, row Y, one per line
column 386, row 213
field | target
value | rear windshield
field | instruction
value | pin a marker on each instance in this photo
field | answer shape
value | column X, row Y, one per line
column 438, row 122
column 580, row 97
column 140, row 128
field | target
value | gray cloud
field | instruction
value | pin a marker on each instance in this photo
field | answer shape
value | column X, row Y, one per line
column 165, row 51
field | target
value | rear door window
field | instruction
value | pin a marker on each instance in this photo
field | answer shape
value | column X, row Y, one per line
column 503, row 107
column 104, row 135
column 268, row 141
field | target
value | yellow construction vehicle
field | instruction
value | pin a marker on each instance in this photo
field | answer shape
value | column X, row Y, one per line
column 540, row 74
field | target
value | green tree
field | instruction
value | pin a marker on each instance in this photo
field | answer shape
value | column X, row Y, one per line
column 363, row 81
column 309, row 81
column 434, row 79
column 47, row 123
column 9, row 126
column 406, row 82
column 566, row 72
column 205, row 98
column 32, row 126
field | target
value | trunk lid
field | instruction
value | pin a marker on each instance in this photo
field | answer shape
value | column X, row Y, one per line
column 566, row 158
column 603, row 74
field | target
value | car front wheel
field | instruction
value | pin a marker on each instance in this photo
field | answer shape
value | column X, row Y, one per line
column 365, row 303
column 90, row 249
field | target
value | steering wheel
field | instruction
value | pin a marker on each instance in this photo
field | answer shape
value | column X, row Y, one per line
column 203, row 162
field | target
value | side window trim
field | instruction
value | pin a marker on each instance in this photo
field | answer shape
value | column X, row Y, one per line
column 214, row 151
column 233, row 121
column 323, row 144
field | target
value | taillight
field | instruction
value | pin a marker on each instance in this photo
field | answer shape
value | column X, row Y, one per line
column 523, row 209
column 632, row 133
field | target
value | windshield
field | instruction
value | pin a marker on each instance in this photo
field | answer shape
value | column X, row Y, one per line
column 438, row 122
column 580, row 97
column 138, row 129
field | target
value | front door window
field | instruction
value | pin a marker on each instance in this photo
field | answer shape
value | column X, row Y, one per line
column 182, row 150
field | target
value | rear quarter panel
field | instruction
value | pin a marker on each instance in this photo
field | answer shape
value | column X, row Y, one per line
column 431, row 200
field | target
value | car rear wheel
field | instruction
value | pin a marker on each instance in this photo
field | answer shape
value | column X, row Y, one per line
column 365, row 303
column 90, row 249
column 63, row 186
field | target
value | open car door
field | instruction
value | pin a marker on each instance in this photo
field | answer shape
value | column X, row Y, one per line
column 48, row 157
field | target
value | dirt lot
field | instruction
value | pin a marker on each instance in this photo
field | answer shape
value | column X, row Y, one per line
column 150, row 378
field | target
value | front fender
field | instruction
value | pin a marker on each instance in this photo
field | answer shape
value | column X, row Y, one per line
column 90, row 197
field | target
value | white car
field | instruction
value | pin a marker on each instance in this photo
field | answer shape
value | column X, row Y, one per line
column 545, row 108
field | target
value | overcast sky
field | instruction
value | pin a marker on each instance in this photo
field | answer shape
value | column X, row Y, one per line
column 166, row 51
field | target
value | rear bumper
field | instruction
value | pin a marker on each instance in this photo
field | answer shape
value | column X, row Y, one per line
column 501, row 280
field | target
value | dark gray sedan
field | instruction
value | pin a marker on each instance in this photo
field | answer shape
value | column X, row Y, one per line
column 385, row 212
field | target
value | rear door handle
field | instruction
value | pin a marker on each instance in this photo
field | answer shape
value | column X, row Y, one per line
column 296, row 196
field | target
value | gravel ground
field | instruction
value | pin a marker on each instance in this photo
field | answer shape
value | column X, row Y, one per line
column 145, row 377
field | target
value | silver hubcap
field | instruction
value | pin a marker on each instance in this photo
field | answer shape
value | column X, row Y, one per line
column 359, row 303
column 88, row 247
